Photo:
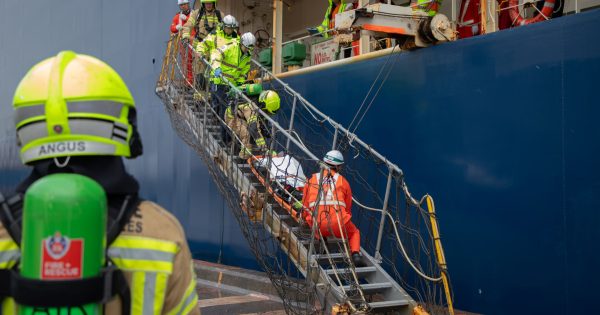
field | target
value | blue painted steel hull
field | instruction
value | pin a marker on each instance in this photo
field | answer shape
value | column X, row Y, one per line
column 502, row 131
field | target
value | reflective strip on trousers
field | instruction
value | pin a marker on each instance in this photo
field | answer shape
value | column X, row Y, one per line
column 328, row 203
column 189, row 300
column 9, row 253
column 148, row 292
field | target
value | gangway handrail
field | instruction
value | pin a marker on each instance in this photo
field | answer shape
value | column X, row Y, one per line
column 392, row 166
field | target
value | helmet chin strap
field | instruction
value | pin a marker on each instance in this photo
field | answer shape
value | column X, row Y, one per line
column 63, row 164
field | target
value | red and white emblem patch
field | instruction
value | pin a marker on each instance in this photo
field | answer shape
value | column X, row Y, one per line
column 61, row 257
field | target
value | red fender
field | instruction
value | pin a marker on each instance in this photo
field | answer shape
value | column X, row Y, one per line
column 519, row 20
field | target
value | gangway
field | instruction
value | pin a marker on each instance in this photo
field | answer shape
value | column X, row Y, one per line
column 323, row 278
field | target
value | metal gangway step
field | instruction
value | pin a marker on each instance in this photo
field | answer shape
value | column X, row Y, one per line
column 381, row 291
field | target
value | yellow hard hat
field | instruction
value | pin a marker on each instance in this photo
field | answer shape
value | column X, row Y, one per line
column 73, row 105
column 269, row 101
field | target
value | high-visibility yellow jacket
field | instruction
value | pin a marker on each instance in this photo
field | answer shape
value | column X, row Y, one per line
column 232, row 61
column 431, row 7
column 212, row 41
column 343, row 6
column 152, row 252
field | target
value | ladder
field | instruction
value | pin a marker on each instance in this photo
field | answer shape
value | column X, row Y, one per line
column 337, row 282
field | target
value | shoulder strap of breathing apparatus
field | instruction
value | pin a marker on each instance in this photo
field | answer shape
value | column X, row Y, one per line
column 66, row 293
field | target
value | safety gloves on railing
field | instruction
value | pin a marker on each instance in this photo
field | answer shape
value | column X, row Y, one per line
column 218, row 72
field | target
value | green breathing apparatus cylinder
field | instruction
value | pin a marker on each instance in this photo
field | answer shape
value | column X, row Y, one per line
column 64, row 235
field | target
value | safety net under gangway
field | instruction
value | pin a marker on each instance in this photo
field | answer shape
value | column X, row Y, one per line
column 403, row 269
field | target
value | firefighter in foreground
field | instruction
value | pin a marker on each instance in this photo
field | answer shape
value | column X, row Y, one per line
column 74, row 114
column 246, row 122
column 329, row 194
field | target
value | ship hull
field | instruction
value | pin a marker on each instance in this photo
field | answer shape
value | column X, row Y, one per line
column 502, row 131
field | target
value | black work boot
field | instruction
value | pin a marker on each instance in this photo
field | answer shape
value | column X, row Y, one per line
column 357, row 260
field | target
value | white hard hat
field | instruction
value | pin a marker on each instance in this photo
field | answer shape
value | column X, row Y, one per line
column 229, row 21
column 248, row 40
column 180, row 2
column 334, row 157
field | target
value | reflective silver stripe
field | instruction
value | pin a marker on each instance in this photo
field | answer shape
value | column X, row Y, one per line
column 149, row 288
column 93, row 107
column 100, row 128
column 328, row 203
column 121, row 125
column 9, row 255
column 74, row 147
column 119, row 132
column 189, row 300
column 26, row 112
column 140, row 254
column 32, row 131
column 96, row 107
column 91, row 127
column 547, row 4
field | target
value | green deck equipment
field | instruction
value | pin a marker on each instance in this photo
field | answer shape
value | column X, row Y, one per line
column 294, row 54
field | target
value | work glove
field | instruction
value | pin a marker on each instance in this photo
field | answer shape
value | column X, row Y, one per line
column 178, row 27
column 313, row 31
column 218, row 72
column 182, row 17
column 297, row 206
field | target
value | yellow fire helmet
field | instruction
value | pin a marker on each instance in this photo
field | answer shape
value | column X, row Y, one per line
column 270, row 102
column 74, row 105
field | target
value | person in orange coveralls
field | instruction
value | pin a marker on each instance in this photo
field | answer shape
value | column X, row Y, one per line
column 334, row 201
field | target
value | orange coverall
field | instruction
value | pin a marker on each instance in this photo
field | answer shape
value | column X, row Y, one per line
column 335, row 206
column 186, row 54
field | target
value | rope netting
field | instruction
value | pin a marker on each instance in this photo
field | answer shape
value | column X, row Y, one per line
column 311, row 266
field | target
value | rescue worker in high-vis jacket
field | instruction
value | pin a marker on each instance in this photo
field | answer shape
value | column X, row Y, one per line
column 74, row 114
column 246, row 122
column 334, row 7
column 328, row 194
column 231, row 62
column 431, row 7
column 203, row 21
column 220, row 38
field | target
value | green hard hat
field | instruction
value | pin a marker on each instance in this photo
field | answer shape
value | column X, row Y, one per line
column 73, row 105
column 270, row 101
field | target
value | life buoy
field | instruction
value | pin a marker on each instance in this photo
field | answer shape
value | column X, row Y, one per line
column 517, row 19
